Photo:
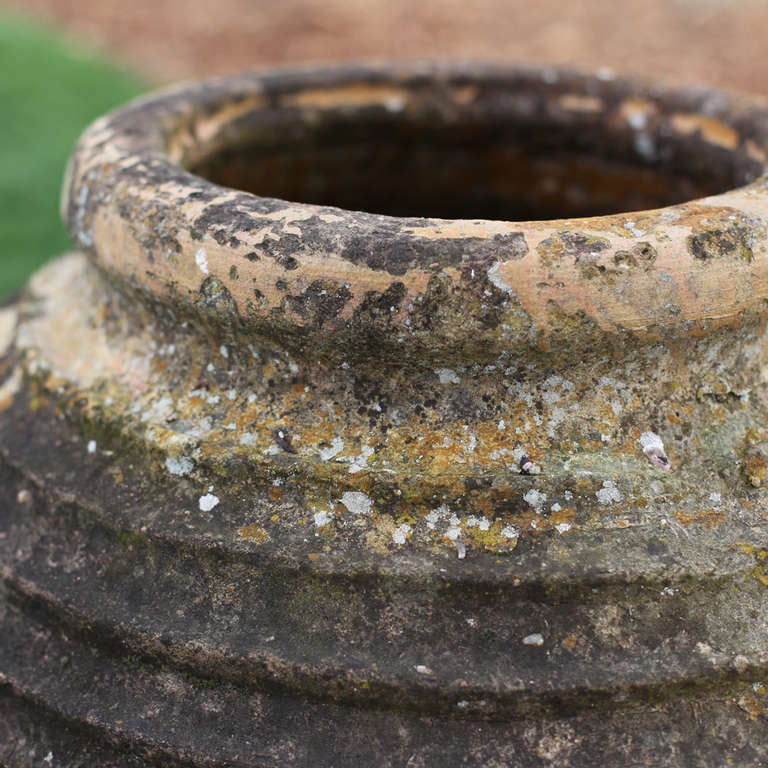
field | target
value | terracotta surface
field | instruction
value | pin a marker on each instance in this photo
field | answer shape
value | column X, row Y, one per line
column 284, row 484
column 709, row 41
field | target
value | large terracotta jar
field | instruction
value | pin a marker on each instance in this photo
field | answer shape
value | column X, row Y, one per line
column 394, row 416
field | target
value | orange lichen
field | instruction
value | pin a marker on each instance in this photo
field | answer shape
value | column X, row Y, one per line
column 253, row 533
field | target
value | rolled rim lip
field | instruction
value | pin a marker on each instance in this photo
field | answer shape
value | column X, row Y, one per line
column 137, row 137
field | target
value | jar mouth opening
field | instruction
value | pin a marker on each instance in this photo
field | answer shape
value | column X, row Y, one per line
column 261, row 201
column 535, row 147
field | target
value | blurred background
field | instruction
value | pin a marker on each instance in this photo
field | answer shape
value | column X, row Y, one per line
column 64, row 62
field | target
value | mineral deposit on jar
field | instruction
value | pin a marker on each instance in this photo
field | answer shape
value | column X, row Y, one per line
column 179, row 466
column 202, row 260
column 322, row 518
column 357, row 502
column 207, row 502
column 400, row 536
column 609, row 493
column 653, row 448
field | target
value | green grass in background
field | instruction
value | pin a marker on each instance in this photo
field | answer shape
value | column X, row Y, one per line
column 50, row 90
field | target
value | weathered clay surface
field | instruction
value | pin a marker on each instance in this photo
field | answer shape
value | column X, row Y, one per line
column 287, row 483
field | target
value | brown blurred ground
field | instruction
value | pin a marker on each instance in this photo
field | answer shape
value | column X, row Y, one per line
column 706, row 41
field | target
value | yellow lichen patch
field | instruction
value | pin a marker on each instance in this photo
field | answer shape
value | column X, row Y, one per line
column 489, row 540
column 570, row 642
column 253, row 533
column 756, row 469
column 706, row 518
column 752, row 705
column 710, row 518
column 760, row 571
column 712, row 130
column 564, row 516
column 379, row 537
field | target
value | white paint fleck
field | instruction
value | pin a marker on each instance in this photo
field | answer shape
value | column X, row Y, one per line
column 208, row 502
column 510, row 532
column 400, row 536
column 668, row 591
column 563, row 527
column 555, row 507
column 224, row 351
column 211, row 368
column 422, row 669
column 247, row 438
column 536, row 499
column 472, row 622
column 436, row 515
column 534, row 639
column 179, row 466
column 356, row 502
column 92, row 446
column 48, row 758
column 447, row 376
column 322, row 518
column 453, row 531
column 335, row 448
column 360, row 462
column 609, row 493
column 202, row 260
column 501, row 425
